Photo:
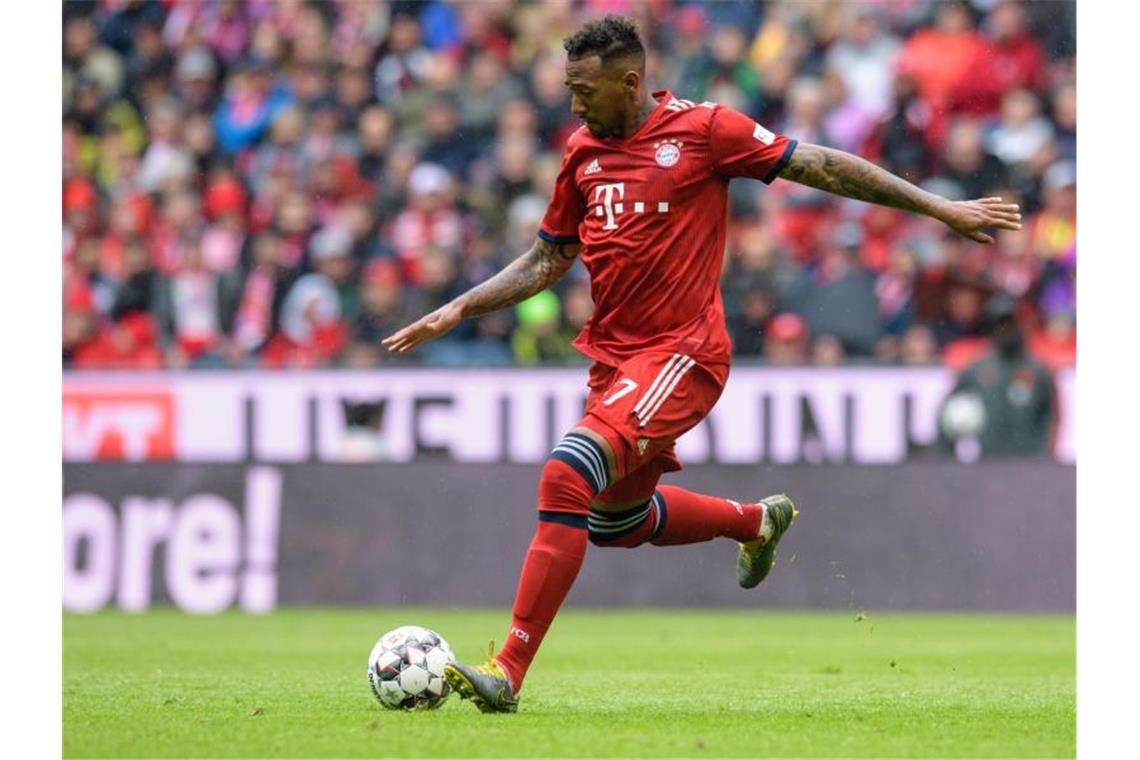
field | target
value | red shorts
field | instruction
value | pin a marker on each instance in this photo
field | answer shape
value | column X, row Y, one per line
column 642, row 407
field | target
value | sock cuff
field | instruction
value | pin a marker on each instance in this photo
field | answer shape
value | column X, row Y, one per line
column 609, row 526
column 569, row 519
column 587, row 458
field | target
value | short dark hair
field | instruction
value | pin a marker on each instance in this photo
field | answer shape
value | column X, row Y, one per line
column 610, row 37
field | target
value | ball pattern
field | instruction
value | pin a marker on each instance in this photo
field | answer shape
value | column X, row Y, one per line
column 405, row 669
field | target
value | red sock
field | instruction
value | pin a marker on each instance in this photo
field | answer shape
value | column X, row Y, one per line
column 552, row 563
column 693, row 517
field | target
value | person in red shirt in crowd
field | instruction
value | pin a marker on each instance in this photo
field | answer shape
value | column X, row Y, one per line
column 224, row 237
column 642, row 199
column 1009, row 59
column 130, row 339
column 943, row 61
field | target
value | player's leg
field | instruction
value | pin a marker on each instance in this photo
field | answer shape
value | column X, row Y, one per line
column 641, row 430
column 638, row 510
column 578, row 469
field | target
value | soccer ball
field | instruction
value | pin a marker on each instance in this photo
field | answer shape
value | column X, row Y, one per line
column 405, row 669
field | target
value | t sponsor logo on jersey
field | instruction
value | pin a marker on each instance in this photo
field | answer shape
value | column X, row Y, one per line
column 593, row 168
column 608, row 206
column 118, row 425
column 763, row 135
column 668, row 153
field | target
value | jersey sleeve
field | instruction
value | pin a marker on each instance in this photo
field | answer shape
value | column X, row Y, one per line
column 743, row 148
column 567, row 207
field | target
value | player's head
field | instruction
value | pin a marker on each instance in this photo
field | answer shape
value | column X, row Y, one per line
column 605, row 72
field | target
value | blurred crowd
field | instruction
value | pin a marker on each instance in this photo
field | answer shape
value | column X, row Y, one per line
column 282, row 183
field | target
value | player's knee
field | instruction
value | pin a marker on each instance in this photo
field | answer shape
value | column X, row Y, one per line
column 626, row 529
column 575, row 473
column 562, row 489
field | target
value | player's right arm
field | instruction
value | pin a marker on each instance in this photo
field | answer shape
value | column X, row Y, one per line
column 534, row 271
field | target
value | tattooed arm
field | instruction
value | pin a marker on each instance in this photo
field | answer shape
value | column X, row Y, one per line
column 853, row 177
column 535, row 270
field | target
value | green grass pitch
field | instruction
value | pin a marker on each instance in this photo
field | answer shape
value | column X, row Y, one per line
column 689, row 683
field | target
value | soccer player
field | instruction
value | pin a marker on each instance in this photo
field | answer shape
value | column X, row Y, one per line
column 641, row 198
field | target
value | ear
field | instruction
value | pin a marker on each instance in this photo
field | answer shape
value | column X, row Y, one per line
column 631, row 79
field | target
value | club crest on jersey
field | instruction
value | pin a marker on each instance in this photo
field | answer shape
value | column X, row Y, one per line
column 668, row 153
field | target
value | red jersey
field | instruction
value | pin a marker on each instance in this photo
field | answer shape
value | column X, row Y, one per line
column 650, row 212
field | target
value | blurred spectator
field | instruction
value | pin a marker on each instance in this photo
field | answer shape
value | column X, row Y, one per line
column 864, row 57
column 404, row 64
column 827, row 351
column 842, row 302
column 1055, row 344
column 249, row 107
column 165, row 154
column 1023, row 131
column 785, row 340
column 1017, row 59
column 192, row 310
column 918, row 346
column 968, row 163
column 385, row 307
column 311, row 328
column 332, row 257
column 430, row 218
column 195, row 75
column 85, row 57
column 375, row 130
column 259, row 298
column 1055, row 227
column 943, row 60
column 722, row 73
column 1004, row 403
column 128, row 340
column 540, row 336
column 444, row 145
column 894, row 289
column 746, row 325
column 961, row 333
column 1065, row 118
column 489, row 88
column 899, row 142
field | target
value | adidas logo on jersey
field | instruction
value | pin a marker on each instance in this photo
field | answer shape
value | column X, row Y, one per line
column 593, row 168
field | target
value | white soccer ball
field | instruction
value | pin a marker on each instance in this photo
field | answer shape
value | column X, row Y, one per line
column 405, row 669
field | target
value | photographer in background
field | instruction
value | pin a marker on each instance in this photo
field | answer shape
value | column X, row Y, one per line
column 1003, row 404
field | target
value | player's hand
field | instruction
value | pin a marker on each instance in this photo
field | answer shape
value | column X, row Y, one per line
column 437, row 324
column 967, row 218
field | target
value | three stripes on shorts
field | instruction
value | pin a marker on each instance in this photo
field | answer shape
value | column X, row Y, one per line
column 586, row 456
column 663, row 385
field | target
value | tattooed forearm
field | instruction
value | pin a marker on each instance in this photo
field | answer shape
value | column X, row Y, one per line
column 530, row 273
column 853, row 177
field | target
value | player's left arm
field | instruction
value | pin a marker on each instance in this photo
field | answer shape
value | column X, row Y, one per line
column 852, row 177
